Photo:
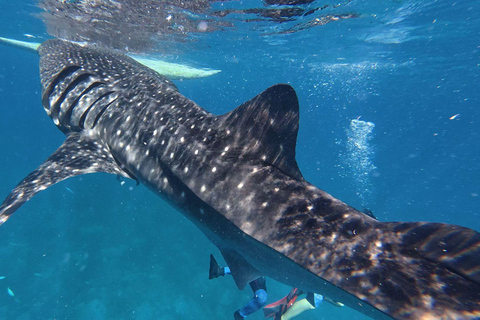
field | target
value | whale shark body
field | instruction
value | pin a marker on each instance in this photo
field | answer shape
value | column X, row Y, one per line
column 236, row 178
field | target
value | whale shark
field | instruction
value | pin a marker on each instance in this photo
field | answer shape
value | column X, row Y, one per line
column 236, row 178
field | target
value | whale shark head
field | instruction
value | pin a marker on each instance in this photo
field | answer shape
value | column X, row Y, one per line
column 78, row 91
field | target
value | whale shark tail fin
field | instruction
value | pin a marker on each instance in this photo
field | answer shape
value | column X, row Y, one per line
column 77, row 155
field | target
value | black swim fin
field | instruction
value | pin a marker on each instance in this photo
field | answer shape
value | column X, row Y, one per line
column 215, row 270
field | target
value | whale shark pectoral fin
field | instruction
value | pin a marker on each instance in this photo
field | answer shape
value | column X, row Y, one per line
column 242, row 271
column 77, row 155
column 28, row 46
column 174, row 70
column 168, row 69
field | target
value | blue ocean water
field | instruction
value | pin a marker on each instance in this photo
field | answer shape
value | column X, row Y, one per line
column 92, row 248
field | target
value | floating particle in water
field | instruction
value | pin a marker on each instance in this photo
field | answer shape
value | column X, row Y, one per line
column 10, row 292
column 202, row 26
column 2, row 277
column 454, row 116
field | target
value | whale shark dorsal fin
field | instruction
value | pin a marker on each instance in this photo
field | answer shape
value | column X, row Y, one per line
column 267, row 127
column 242, row 272
column 77, row 155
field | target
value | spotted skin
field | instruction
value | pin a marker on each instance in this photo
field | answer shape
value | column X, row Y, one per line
column 236, row 178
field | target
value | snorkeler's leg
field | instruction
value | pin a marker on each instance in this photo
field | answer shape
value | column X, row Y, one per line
column 215, row 270
column 312, row 301
column 298, row 307
column 259, row 288
column 335, row 303
column 258, row 301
